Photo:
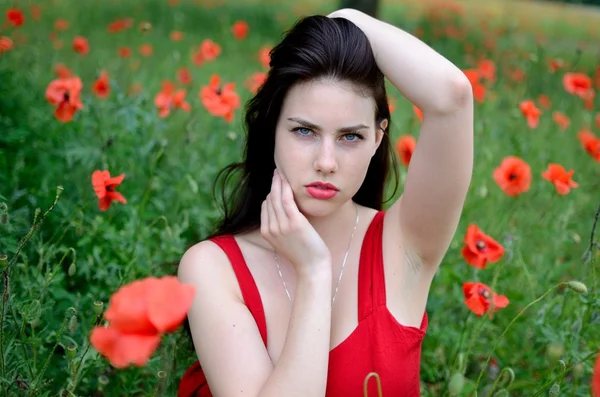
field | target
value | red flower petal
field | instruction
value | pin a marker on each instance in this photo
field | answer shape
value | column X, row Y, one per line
column 169, row 302
column 124, row 349
column 128, row 308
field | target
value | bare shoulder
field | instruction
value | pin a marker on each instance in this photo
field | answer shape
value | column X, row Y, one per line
column 206, row 266
column 225, row 335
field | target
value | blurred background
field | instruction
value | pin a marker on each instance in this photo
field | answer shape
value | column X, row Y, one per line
column 95, row 90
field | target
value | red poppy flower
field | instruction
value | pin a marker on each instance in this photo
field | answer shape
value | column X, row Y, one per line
column 168, row 98
column 220, row 101
column 15, row 17
column 184, row 76
column 264, row 56
column 531, row 113
column 513, row 176
column 119, row 25
column 104, row 187
column 101, row 86
column 588, row 99
column 544, row 101
column 255, row 81
column 36, row 13
column 480, row 299
column 146, row 50
column 240, row 30
column 478, row 89
column 577, row 83
column 6, row 44
column 139, row 314
column 562, row 120
column 555, row 64
column 418, row 113
column 124, row 52
column 480, row 248
column 208, row 51
column 64, row 95
column 405, row 146
column 596, row 378
column 80, row 45
column 61, row 24
column 561, row 178
column 62, row 71
column 176, row 35
column 487, row 70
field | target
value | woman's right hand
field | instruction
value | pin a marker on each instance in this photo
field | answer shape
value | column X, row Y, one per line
column 289, row 232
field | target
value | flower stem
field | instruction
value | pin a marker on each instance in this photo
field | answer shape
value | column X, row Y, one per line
column 508, row 327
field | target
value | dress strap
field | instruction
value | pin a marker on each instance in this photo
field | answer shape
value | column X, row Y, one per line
column 371, row 278
column 250, row 292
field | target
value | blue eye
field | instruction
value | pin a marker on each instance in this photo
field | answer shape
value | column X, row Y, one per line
column 357, row 137
column 299, row 129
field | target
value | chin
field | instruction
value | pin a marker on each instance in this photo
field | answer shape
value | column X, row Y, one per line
column 312, row 207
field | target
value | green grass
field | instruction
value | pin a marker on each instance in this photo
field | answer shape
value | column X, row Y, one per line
column 80, row 255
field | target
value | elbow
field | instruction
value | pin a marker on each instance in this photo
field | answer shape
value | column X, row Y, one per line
column 456, row 96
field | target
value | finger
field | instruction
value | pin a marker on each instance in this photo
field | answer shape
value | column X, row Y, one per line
column 287, row 200
column 264, row 219
column 273, row 224
column 276, row 191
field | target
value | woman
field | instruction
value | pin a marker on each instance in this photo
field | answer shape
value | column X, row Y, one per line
column 306, row 252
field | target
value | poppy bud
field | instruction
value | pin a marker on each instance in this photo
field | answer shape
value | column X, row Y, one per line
column 73, row 323
column 98, row 307
column 3, row 214
column 554, row 390
column 577, row 286
column 103, row 380
column 554, row 352
column 72, row 269
column 456, row 384
column 3, row 261
column 71, row 351
column 461, row 363
column 482, row 191
column 145, row 27
column 36, row 214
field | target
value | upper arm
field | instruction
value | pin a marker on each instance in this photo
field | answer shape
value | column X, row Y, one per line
column 438, row 178
column 226, row 337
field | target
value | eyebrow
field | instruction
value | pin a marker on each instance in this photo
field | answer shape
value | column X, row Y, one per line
column 310, row 125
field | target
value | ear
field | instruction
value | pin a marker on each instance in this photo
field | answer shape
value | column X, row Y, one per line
column 379, row 133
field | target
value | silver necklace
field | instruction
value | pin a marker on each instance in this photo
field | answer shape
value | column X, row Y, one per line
column 341, row 271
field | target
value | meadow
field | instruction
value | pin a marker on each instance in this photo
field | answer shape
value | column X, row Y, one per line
column 129, row 87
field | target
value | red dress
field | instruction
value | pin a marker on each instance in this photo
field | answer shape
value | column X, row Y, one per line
column 379, row 344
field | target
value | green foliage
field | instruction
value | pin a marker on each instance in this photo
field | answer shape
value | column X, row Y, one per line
column 63, row 254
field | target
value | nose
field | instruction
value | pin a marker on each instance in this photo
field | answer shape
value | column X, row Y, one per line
column 325, row 161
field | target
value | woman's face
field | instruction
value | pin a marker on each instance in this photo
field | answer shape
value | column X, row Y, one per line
column 325, row 133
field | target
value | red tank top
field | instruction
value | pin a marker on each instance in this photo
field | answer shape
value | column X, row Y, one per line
column 378, row 344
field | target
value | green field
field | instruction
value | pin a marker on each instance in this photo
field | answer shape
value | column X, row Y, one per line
column 63, row 260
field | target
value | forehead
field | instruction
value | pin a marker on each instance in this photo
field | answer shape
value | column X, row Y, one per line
column 329, row 103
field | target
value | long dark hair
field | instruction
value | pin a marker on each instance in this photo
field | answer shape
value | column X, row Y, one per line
column 316, row 47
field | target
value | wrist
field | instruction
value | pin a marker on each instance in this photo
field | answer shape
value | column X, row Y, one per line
column 316, row 272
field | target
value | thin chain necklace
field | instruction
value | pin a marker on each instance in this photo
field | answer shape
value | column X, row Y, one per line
column 341, row 271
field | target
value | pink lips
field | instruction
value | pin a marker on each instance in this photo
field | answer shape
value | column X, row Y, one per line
column 322, row 191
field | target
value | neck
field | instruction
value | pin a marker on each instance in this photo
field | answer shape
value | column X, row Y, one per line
column 335, row 228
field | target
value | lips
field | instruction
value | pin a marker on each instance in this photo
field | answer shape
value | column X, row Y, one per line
column 323, row 185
